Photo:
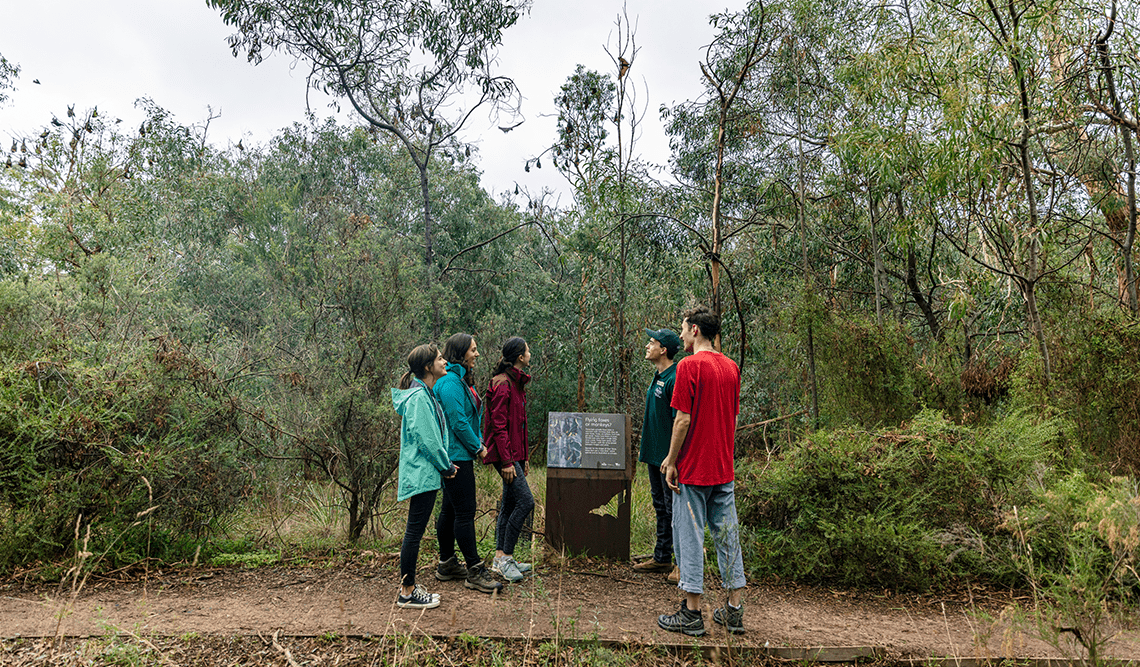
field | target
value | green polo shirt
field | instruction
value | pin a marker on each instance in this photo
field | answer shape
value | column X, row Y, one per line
column 657, row 428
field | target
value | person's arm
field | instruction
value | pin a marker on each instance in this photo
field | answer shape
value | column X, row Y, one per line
column 426, row 431
column 680, row 432
column 498, row 411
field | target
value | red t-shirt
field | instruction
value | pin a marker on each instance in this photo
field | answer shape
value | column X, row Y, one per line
column 708, row 388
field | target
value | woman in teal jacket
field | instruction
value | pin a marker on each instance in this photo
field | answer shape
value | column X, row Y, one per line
column 423, row 461
column 456, row 521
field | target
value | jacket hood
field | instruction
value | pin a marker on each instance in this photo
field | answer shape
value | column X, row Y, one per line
column 518, row 376
column 458, row 369
column 400, row 396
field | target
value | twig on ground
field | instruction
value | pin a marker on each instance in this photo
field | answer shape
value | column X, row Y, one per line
column 282, row 649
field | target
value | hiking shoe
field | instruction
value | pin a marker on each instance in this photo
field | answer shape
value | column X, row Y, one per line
column 674, row 576
column 450, row 569
column 685, row 620
column 480, row 580
column 732, row 618
column 419, row 599
column 507, row 568
column 652, row 566
column 523, row 567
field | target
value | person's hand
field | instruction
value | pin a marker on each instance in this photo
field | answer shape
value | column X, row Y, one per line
column 508, row 472
column 669, row 469
column 452, row 472
column 526, row 467
column 481, row 453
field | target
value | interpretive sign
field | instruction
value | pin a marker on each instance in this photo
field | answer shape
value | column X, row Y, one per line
column 589, row 483
column 586, row 440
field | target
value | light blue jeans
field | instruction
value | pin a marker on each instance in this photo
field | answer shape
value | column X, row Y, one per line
column 694, row 508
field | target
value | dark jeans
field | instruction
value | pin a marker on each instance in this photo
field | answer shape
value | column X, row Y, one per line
column 517, row 505
column 419, row 512
column 456, row 522
column 663, row 506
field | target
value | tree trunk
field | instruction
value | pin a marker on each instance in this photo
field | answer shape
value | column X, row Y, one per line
column 877, row 271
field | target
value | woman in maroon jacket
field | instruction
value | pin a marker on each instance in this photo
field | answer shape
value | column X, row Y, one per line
column 504, row 436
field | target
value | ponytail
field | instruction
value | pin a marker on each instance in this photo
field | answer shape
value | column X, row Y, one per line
column 418, row 360
column 512, row 349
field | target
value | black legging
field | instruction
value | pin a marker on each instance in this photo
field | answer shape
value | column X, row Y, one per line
column 419, row 512
column 456, row 521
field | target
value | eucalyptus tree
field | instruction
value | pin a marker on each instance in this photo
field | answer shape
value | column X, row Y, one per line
column 8, row 73
column 598, row 124
column 1107, row 70
column 1014, row 210
column 415, row 69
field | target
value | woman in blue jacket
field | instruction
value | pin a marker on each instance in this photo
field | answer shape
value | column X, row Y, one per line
column 464, row 413
column 423, row 462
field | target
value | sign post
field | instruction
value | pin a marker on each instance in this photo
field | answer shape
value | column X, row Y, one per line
column 589, row 483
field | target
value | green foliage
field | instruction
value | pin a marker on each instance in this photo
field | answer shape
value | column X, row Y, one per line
column 1097, row 383
column 906, row 509
column 867, row 373
column 8, row 73
column 1077, row 545
column 248, row 560
column 144, row 455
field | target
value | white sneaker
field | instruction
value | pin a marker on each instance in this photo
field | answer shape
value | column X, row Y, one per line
column 506, row 567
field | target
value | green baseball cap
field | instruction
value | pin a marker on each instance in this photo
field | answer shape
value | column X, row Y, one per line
column 670, row 340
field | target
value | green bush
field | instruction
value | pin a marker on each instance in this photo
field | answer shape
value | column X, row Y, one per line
column 144, row 453
column 906, row 509
column 866, row 372
column 1077, row 546
column 1096, row 380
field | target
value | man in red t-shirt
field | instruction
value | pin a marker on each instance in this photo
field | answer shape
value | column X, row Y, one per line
column 699, row 470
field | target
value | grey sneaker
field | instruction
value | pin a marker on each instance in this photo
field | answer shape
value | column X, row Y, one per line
column 732, row 618
column 419, row 599
column 480, row 580
column 523, row 567
column 685, row 620
column 450, row 569
column 508, row 568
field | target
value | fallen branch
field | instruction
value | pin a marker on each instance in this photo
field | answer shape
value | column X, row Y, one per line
column 772, row 420
column 279, row 647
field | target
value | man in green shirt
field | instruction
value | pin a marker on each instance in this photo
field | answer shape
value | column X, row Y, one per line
column 655, row 433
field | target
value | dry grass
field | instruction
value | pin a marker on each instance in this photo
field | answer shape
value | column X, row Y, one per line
column 304, row 516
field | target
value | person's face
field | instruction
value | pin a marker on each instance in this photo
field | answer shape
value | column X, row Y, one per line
column 654, row 350
column 688, row 334
column 524, row 358
column 472, row 355
column 438, row 367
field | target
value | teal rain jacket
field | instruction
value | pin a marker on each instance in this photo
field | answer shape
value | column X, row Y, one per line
column 464, row 414
column 423, row 440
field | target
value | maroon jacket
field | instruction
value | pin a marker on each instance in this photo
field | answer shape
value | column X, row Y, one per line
column 504, row 429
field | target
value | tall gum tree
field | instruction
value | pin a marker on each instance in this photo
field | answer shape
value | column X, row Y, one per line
column 598, row 118
column 416, row 69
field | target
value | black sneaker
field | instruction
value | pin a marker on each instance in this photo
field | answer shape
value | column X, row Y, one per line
column 685, row 620
column 419, row 599
column 732, row 618
column 480, row 580
column 450, row 569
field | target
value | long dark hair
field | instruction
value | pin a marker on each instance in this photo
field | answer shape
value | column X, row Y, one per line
column 512, row 349
column 455, row 351
column 418, row 361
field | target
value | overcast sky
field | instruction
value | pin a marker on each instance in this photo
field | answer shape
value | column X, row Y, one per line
column 111, row 53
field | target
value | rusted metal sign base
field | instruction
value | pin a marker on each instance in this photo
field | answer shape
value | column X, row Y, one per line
column 570, row 525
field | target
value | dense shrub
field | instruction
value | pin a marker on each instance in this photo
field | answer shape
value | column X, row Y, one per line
column 1096, row 380
column 904, row 509
column 87, row 446
column 866, row 372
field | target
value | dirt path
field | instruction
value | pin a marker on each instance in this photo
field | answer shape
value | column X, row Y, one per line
column 587, row 600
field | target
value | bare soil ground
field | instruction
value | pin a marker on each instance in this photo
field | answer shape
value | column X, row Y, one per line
column 576, row 599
